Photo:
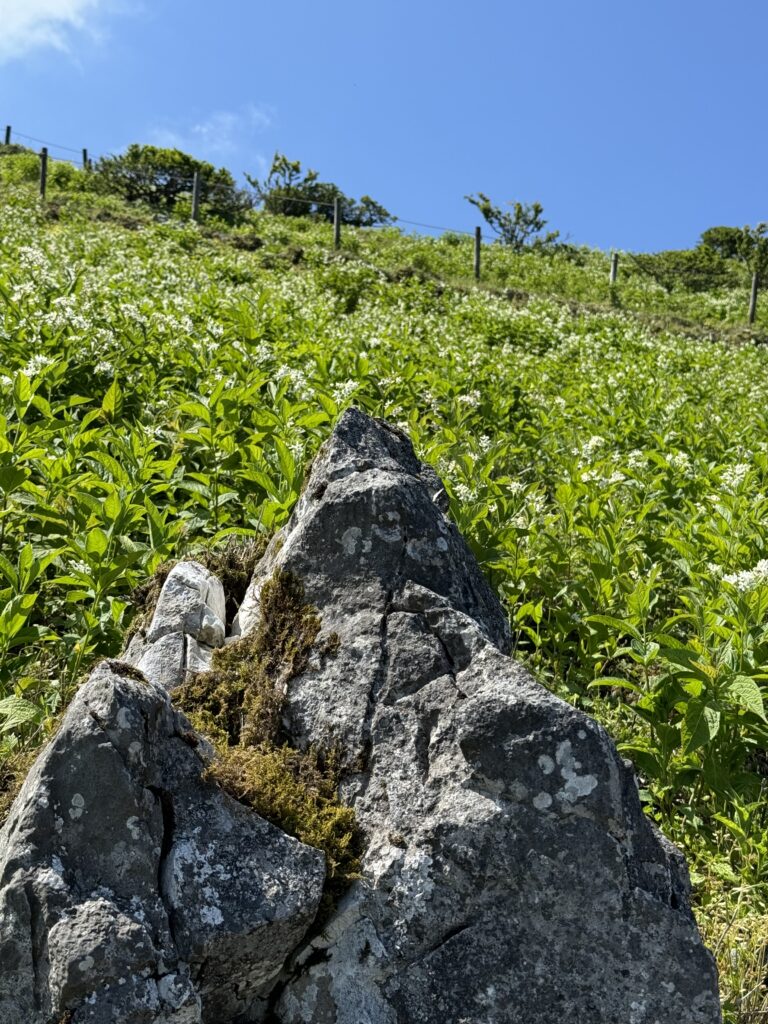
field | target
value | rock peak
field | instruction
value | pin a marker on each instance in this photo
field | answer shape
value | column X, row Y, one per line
column 370, row 522
column 509, row 872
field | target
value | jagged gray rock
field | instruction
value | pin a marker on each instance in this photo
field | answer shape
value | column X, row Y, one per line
column 131, row 890
column 510, row 874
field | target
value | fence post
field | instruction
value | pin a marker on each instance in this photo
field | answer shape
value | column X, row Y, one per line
column 7, row 135
column 478, row 240
column 196, row 196
column 43, row 171
column 614, row 268
column 85, row 159
column 336, row 223
column 753, row 299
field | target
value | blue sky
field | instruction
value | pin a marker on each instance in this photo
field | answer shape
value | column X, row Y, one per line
column 635, row 125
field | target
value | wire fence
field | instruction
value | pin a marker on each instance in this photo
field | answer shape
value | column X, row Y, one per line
column 216, row 189
column 201, row 190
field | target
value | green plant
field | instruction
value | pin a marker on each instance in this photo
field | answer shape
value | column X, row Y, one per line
column 519, row 229
column 695, row 270
column 289, row 192
column 162, row 391
column 162, row 177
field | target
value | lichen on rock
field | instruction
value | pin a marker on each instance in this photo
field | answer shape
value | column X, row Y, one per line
column 133, row 889
column 507, row 872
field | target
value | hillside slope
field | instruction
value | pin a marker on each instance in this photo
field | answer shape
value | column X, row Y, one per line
column 163, row 386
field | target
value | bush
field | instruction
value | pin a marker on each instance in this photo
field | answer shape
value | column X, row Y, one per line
column 290, row 193
column 521, row 229
column 23, row 167
column 18, row 168
column 694, row 270
column 161, row 177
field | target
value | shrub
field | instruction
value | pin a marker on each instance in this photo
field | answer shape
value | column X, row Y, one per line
column 161, row 177
column 290, row 193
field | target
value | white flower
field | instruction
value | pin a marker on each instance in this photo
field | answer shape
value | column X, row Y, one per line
column 341, row 392
column 36, row 364
column 748, row 579
column 734, row 475
column 471, row 398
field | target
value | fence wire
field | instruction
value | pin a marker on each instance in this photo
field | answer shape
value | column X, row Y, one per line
column 235, row 190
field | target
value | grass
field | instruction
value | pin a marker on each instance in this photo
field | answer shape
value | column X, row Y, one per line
column 163, row 387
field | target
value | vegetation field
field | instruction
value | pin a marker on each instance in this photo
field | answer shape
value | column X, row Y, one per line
column 163, row 385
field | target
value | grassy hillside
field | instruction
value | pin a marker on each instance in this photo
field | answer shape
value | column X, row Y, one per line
column 163, row 385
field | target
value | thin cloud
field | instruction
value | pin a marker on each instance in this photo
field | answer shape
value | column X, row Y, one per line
column 220, row 135
column 43, row 24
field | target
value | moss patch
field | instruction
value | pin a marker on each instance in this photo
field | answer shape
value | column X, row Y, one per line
column 239, row 704
column 13, row 771
column 234, row 564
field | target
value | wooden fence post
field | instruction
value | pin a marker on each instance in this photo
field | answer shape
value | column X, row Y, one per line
column 753, row 299
column 336, row 223
column 478, row 241
column 614, row 268
column 196, row 196
column 85, row 159
column 43, row 171
column 7, row 135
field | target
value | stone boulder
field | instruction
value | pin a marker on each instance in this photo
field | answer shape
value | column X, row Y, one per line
column 188, row 624
column 132, row 891
column 510, row 874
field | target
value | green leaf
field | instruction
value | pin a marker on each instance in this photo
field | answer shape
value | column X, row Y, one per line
column 26, row 558
column 112, row 507
column 112, row 404
column 197, row 410
column 22, row 390
column 15, row 614
column 744, row 692
column 16, row 711
column 286, row 460
column 11, row 478
column 643, row 651
column 97, row 542
column 9, row 572
column 619, row 625
column 700, row 725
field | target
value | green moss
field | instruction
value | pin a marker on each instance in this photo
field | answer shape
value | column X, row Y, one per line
column 13, row 771
column 234, row 564
column 239, row 705
column 125, row 669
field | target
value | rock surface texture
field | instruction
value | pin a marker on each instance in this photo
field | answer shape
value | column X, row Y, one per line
column 188, row 623
column 133, row 892
column 510, row 876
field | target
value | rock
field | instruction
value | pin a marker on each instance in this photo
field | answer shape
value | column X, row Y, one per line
column 371, row 518
column 510, row 873
column 192, row 601
column 187, row 625
column 132, row 890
